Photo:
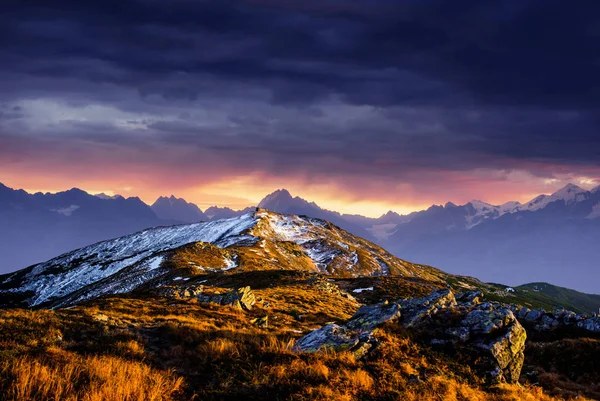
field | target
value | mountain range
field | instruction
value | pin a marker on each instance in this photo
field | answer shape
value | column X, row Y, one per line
column 512, row 243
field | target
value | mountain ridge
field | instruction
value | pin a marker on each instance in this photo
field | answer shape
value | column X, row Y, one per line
column 261, row 240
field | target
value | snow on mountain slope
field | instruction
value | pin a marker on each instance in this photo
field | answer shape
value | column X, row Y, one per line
column 595, row 213
column 256, row 241
column 332, row 250
column 69, row 272
column 481, row 211
column 569, row 194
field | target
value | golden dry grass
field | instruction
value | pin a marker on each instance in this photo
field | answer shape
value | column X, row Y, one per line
column 102, row 378
column 165, row 349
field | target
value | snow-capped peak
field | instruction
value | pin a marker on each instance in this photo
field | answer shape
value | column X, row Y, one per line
column 104, row 196
column 509, row 207
column 481, row 206
column 569, row 194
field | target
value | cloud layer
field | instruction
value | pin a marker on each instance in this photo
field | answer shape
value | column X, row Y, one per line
column 380, row 103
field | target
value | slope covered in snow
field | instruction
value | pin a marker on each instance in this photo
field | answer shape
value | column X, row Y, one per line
column 256, row 241
column 569, row 194
column 72, row 271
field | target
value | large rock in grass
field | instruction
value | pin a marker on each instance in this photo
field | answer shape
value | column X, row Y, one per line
column 489, row 336
column 355, row 336
column 242, row 298
column 415, row 311
column 368, row 317
column 498, row 341
column 332, row 336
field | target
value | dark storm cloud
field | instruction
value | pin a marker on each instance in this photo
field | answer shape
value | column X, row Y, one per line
column 450, row 84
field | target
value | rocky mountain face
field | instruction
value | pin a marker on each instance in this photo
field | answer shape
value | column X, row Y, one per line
column 218, row 213
column 154, row 257
column 177, row 209
column 281, row 201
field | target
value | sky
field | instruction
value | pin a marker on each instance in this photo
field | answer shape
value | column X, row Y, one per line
column 362, row 106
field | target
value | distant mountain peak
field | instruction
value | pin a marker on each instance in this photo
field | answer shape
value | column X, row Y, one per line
column 76, row 190
column 279, row 200
column 449, row 205
column 568, row 189
column 173, row 208
column 281, row 195
column 104, row 196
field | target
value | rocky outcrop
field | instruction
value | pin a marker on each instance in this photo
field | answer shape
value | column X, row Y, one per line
column 491, row 336
column 416, row 311
column 242, row 298
column 323, row 284
column 355, row 336
column 559, row 319
column 187, row 291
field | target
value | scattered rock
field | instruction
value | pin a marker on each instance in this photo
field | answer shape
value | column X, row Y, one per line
column 490, row 334
column 560, row 318
column 332, row 336
column 500, row 338
column 368, row 317
column 322, row 284
column 592, row 324
column 415, row 311
column 242, row 298
column 188, row 291
column 470, row 296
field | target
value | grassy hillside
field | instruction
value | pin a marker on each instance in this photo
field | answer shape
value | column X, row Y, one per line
column 565, row 297
column 153, row 348
column 533, row 295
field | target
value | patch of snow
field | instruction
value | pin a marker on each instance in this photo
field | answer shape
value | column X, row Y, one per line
column 359, row 290
column 155, row 262
column 66, row 211
column 230, row 263
column 354, row 258
column 385, row 268
column 595, row 213
column 382, row 231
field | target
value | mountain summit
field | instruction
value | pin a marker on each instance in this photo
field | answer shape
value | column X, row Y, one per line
column 172, row 208
column 255, row 241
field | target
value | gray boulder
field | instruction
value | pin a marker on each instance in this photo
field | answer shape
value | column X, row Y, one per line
column 241, row 298
column 592, row 324
column 415, row 311
column 332, row 336
column 368, row 317
column 499, row 343
column 356, row 335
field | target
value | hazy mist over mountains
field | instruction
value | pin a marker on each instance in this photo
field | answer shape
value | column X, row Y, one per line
column 552, row 238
